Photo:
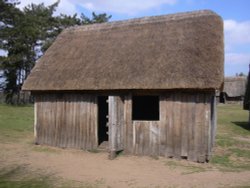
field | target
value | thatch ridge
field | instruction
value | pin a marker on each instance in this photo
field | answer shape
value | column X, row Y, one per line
column 177, row 51
column 142, row 20
column 235, row 86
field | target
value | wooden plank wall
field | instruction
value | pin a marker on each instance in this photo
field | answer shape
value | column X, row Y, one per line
column 66, row 120
column 184, row 129
column 116, row 125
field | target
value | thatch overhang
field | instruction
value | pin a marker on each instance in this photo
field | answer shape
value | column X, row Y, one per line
column 178, row 51
column 235, row 86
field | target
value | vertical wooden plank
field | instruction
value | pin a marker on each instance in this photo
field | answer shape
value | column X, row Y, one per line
column 93, row 126
column 53, row 110
column 39, row 119
column 45, row 125
column 58, row 120
column 199, row 133
column 170, row 126
column 90, row 113
column 64, row 122
column 122, row 121
column 47, row 116
column 112, row 125
column 202, row 157
column 67, row 125
column 213, row 119
column 191, row 127
column 35, row 119
column 162, row 125
column 87, row 108
column 77, row 120
column 142, row 137
column 81, row 122
column 42, row 121
column 154, row 137
column 207, row 126
column 197, row 130
column 90, row 123
column 184, row 125
column 72, row 121
column 52, row 123
column 116, row 124
column 95, row 118
column 135, row 137
column 146, row 140
column 125, row 124
column 129, row 127
column 49, row 121
column 177, row 126
column 73, row 118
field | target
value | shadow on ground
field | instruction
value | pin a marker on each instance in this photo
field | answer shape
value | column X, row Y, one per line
column 242, row 124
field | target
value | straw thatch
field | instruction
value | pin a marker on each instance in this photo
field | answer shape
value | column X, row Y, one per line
column 163, row 52
column 235, row 86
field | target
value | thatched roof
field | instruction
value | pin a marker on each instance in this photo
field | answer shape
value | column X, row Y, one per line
column 183, row 50
column 235, row 86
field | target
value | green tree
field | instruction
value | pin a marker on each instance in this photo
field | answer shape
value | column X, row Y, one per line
column 20, row 33
column 10, row 16
column 26, row 35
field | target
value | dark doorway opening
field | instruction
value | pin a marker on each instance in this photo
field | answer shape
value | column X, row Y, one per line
column 222, row 97
column 102, row 119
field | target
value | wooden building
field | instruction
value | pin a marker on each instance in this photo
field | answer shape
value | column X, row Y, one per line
column 146, row 86
column 234, row 89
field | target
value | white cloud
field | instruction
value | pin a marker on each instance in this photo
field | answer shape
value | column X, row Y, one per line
column 121, row 6
column 237, row 58
column 65, row 6
column 236, row 33
column 110, row 6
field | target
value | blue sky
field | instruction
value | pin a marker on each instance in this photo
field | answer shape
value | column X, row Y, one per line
column 235, row 13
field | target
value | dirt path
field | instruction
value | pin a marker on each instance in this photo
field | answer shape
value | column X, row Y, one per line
column 125, row 171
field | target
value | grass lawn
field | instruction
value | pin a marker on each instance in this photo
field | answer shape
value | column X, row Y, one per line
column 16, row 122
column 231, row 151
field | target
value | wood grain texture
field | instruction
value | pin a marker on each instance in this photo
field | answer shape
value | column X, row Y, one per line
column 116, row 123
column 186, row 128
column 68, row 121
column 183, row 131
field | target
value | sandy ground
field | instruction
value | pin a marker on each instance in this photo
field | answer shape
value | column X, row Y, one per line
column 97, row 170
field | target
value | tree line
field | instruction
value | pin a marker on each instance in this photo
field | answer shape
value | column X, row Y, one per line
column 25, row 35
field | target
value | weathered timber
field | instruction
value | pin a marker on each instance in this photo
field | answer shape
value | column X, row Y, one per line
column 180, row 131
column 66, row 121
column 185, row 129
column 116, row 125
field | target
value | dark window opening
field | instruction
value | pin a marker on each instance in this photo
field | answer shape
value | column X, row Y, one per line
column 145, row 108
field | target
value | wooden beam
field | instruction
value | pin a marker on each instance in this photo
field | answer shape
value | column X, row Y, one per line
column 35, row 121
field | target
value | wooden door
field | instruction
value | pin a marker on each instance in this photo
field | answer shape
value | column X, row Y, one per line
column 116, row 125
